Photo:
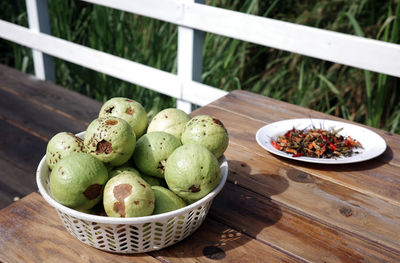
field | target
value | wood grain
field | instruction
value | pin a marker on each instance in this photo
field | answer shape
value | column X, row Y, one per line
column 215, row 242
column 361, row 177
column 36, row 118
column 367, row 216
column 14, row 182
column 19, row 148
column 292, row 232
column 30, row 231
column 46, row 94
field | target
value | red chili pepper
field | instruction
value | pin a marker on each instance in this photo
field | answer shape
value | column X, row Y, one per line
column 329, row 142
column 276, row 146
column 332, row 146
column 297, row 155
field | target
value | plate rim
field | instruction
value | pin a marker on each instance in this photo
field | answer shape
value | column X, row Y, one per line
column 319, row 160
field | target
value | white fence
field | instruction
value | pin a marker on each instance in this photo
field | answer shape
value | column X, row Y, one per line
column 193, row 18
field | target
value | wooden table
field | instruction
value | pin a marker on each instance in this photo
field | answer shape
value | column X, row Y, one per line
column 270, row 210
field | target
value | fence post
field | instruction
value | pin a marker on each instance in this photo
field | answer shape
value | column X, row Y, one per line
column 38, row 17
column 190, row 57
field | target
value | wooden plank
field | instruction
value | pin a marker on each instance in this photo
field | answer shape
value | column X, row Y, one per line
column 30, row 231
column 357, row 203
column 36, row 119
column 14, row 182
column 291, row 232
column 33, row 223
column 362, row 177
column 366, row 216
column 20, row 153
column 20, row 148
column 214, row 241
column 7, row 195
column 48, row 95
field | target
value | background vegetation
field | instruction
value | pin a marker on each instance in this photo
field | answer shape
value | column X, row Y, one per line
column 229, row 64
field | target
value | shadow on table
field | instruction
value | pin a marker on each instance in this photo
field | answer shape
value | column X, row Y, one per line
column 239, row 213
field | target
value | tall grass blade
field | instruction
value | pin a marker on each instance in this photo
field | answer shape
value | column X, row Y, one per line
column 367, row 75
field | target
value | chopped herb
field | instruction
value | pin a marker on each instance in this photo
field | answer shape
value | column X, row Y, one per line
column 316, row 143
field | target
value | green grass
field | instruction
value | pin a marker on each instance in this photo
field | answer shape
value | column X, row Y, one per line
column 354, row 94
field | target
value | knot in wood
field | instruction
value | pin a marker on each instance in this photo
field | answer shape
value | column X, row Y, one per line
column 347, row 212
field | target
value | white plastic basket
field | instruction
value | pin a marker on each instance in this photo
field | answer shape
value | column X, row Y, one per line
column 135, row 234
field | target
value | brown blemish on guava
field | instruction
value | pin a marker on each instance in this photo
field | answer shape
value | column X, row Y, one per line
column 93, row 191
column 104, row 147
column 111, row 122
column 120, row 192
column 130, row 111
column 194, row 189
column 136, row 202
column 119, row 207
column 218, row 122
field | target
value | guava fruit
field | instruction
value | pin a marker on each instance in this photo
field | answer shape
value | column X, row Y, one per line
column 110, row 139
column 192, row 171
column 170, row 120
column 151, row 180
column 129, row 110
column 61, row 145
column 152, row 151
column 128, row 195
column 207, row 131
column 77, row 181
column 166, row 200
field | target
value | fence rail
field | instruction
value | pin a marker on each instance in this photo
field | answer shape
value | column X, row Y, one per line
column 193, row 18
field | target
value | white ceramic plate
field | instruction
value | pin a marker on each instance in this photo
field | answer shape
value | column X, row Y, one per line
column 373, row 144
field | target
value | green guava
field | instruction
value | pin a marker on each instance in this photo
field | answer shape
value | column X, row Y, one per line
column 152, row 151
column 111, row 140
column 170, row 120
column 61, row 145
column 192, row 171
column 166, row 200
column 129, row 110
column 151, row 180
column 77, row 181
column 128, row 195
column 207, row 131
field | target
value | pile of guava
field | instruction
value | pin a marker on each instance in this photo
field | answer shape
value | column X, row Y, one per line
column 128, row 165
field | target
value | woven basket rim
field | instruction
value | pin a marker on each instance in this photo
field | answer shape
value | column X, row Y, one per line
column 42, row 174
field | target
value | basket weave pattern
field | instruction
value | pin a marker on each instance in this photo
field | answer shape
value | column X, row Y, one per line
column 131, row 235
column 138, row 238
